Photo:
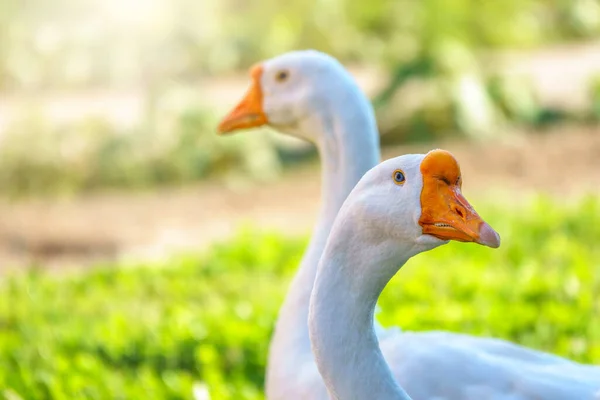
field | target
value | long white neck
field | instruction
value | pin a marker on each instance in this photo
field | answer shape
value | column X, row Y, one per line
column 354, row 270
column 348, row 144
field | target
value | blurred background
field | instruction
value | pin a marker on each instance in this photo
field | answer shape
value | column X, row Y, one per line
column 143, row 256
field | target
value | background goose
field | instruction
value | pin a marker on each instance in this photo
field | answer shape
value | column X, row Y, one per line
column 400, row 208
column 309, row 95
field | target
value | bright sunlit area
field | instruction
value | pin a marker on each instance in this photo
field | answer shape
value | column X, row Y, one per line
column 172, row 174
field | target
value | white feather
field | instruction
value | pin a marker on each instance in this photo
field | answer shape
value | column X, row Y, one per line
column 321, row 103
column 375, row 232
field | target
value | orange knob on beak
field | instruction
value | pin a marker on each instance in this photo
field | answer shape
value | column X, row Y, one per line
column 445, row 213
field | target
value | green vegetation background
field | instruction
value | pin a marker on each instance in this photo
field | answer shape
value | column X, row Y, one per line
column 153, row 331
column 163, row 49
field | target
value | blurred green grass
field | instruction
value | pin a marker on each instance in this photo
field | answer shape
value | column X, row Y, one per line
column 153, row 330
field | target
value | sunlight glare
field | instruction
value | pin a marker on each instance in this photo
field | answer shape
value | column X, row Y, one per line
column 133, row 12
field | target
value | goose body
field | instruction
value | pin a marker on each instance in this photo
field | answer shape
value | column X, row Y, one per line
column 380, row 226
column 309, row 95
column 443, row 365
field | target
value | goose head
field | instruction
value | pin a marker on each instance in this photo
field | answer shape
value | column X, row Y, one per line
column 297, row 93
column 416, row 200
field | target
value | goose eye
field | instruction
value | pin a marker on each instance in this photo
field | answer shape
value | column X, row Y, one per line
column 282, row 76
column 399, row 177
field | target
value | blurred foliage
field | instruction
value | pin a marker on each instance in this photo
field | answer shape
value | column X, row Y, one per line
column 155, row 331
column 73, row 43
column 595, row 94
column 438, row 82
column 173, row 144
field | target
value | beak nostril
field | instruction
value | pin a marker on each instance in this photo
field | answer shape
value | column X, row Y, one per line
column 460, row 211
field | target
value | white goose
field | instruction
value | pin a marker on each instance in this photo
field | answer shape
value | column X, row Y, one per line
column 309, row 95
column 400, row 208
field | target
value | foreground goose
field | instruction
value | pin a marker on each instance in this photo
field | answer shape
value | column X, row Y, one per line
column 309, row 95
column 400, row 208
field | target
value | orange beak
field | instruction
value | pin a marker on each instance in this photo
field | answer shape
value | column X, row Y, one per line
column 445, row 213
column 249, row 112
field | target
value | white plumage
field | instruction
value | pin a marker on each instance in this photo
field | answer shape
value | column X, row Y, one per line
column 317, row 101
column 379, row 227
column 309, row 95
